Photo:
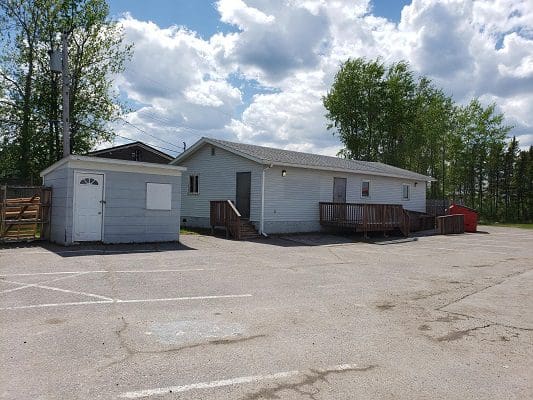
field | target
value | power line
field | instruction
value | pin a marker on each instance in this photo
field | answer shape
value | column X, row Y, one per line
column 151, row 144
column 127, row 138
column 146, row 133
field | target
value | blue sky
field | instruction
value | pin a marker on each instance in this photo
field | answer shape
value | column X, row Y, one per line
column 200, row 16
column 256, row 70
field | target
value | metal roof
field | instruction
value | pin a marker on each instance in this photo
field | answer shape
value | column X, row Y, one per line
column 269, row 155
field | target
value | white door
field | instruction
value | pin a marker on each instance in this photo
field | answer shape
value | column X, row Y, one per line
column 88, row 201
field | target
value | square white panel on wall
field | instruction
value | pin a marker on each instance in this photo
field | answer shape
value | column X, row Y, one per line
column 158, row 196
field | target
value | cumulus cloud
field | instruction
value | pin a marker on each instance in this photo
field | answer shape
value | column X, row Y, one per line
column 184, row 86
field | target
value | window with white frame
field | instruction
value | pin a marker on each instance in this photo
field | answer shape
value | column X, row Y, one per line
column 406, row 191
column 193, row 184
column 365, row 189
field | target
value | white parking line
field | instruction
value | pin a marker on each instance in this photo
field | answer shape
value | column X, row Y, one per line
column 119, row 301
column 28, row 285
column 36, row 285
column 227, row 382
column 133, row 271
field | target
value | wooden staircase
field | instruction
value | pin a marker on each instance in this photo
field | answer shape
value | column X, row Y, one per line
column 248, row 231
column 223, row 214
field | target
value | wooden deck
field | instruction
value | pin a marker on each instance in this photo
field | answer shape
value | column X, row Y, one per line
column 24, row 213
column 364, row 217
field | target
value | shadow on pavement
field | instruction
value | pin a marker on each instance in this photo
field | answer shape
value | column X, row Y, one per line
column 90, row 249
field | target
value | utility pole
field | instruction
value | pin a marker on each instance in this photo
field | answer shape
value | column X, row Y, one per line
column 65, row 94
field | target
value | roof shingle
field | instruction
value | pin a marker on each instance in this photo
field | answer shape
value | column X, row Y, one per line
column 269, row 155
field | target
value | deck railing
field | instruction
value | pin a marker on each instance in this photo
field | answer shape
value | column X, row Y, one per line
column 365, row 217
column 225, row 214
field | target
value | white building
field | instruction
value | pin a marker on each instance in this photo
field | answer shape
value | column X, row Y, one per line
column 113, row 201
column 279, row 191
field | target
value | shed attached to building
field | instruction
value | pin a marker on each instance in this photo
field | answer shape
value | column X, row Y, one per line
column 113, row 201
column 281, row 191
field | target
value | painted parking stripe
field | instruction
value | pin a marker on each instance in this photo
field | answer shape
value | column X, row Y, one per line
column 56, row 289
column 133, row 271
column 29, row 285
column 119, row 301
column 228, row 382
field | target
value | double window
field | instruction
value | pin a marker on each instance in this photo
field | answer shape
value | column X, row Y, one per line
column 365, row 189
column 193, row 184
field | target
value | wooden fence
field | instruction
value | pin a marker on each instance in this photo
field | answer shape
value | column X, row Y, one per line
column 437, row 207
column 24, row 213
column 364, row 217
column 448, row 224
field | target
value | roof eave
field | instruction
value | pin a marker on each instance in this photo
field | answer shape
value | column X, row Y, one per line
column 99, row 161
column 351, row 171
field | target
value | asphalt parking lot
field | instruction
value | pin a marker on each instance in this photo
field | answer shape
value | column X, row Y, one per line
column 304, row 317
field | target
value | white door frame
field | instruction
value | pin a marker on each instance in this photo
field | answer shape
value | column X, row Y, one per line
column 76, row 174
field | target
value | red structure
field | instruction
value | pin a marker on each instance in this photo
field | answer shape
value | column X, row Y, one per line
column 469, row 213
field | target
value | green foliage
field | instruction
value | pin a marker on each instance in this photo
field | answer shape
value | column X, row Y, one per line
column 385, row 114
column 30, row 94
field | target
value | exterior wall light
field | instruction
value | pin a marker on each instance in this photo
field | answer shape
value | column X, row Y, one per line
column 416, row 183
column 284, row 173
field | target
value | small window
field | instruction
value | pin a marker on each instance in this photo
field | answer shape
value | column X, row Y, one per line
column 365, row 189
column 406, row 191
column 89, row 181
column 212, row 150
column 193, row 184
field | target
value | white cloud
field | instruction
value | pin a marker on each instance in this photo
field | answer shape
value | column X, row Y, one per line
column 238, row 13
column 471, row 49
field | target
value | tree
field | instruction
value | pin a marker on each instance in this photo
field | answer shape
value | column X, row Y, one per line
column 32, row 107
column 383, row 113
column 354, row 106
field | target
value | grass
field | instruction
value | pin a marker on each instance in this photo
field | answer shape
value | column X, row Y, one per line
column 509, row 225
column 194, row 231
column 185, row 231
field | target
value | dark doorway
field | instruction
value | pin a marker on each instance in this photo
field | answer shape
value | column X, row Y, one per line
column 339, row 190
column 244, row 185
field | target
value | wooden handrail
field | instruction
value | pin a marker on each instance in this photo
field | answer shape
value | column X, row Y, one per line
column 224, row 213
column 365, row 217
column 232, row 206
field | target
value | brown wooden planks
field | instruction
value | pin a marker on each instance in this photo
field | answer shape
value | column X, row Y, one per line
column 24, row 218
column 449, row 224
column 364, row 217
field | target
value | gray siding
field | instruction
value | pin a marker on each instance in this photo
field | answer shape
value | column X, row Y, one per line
column 294, row 198
column 126, row 219
column 291, row 202
column 61, row 212
column 217, row 181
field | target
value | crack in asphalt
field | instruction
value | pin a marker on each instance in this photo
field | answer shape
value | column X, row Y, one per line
column 308, row 381
column 502, row 280
column 519, row 328
column 456, row 335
